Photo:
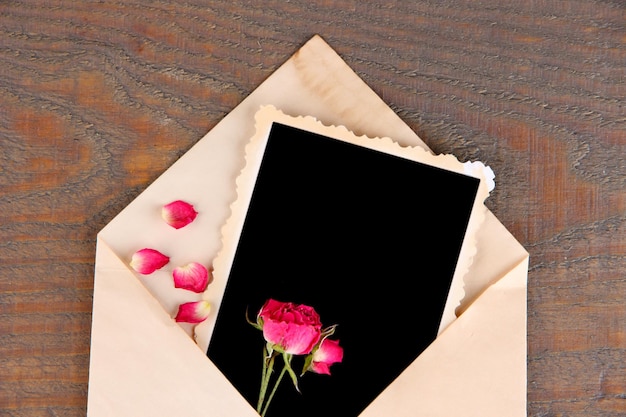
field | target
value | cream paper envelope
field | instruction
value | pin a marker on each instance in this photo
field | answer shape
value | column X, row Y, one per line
column 143, row 363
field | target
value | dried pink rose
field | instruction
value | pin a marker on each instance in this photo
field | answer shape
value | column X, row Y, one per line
column 193, row 312
column 193, row 277
column 290, row 328
column 326, row 354
column 146, row 261
column 178, row 213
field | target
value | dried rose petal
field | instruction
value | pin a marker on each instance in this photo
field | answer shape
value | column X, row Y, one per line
column 193, row 312
column 178, row 213
column 146, row 261
column 193, row 277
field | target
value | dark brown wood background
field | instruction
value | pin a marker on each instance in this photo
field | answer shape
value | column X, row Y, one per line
column 98, row 98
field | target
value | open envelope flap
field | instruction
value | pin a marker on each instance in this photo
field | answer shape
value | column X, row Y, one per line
column 467, row 370
column 147, row 365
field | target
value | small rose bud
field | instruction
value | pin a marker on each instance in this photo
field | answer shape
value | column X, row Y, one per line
column 193, row 277
column 328, row 353
column 193, row 312
column 178, row 213
column 146, row 261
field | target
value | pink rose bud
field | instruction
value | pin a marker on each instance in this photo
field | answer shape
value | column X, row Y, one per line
column 193, row 312
column 291, row 328
column 146, row 261
column 329, row 352
column 193, row 277
column 178, row 213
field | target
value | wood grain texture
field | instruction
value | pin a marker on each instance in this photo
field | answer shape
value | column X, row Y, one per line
column 99, row 98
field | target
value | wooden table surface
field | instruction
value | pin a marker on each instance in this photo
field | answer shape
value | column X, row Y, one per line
column 99, row 98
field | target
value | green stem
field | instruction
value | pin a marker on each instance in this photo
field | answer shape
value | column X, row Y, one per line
column 280, row 377
column 265, row 379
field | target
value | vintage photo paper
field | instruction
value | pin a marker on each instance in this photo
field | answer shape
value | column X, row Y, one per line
column 370, row 237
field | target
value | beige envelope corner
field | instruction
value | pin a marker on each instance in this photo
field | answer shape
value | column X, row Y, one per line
column 143, row 364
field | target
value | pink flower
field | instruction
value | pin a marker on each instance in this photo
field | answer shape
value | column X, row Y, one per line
column 293, row 329
column 178, row 213
column 146, row 261
column 193, row 277
column 329, row 352
column 193, row 312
